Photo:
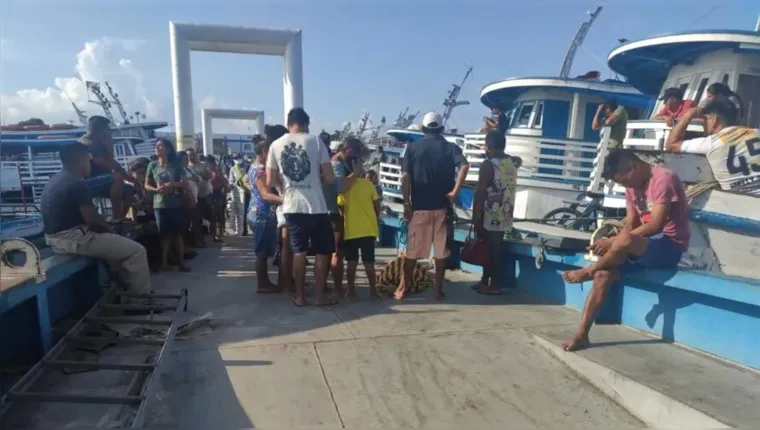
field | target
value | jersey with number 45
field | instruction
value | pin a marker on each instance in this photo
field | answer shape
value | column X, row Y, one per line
column 735, row 159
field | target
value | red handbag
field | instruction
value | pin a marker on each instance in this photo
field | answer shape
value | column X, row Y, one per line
column 475, row 250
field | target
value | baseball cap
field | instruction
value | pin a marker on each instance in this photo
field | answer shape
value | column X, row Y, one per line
column 432, row 120
column 672, row 92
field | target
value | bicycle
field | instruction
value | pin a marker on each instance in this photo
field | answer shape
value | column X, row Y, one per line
column 573, row 218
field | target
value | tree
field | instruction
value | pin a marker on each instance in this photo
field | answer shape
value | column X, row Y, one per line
column 32, row 121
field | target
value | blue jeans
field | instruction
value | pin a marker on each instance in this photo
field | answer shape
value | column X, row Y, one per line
column 263, row 227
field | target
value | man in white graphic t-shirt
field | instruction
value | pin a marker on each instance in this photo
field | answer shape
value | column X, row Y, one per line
column 298, row 165
column 733, row 151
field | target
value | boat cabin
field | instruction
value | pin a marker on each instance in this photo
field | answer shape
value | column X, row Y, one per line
column 550, row 125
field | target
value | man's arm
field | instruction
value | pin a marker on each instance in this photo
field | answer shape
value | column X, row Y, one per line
column 485, row 176
column 81, row 194
column 596, row 123
column 406, row 172
column 612, row 119
column 273, row 172
column 461, row 162
column 678, row 133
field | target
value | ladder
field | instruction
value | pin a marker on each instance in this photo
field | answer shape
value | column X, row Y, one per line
column 144, row 373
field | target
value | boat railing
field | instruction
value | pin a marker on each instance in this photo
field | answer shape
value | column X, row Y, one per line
column 39, row 171
column 652, row 134
column 568, row 162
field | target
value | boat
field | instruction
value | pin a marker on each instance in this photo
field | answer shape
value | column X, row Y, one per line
column 725, row 225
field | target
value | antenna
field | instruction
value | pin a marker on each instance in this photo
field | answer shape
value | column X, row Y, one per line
column 362, row 125
column 119, row 106
column 451, row 101
column 102, row 100
column 757, row 26
column 577, row 42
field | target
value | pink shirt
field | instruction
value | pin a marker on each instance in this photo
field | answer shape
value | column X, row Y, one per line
column 678, row 113
column 663, row 187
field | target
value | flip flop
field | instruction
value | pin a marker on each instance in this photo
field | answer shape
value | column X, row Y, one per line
column 298, row 305
column 329, row 302
column 488, row 291
column 268, row 290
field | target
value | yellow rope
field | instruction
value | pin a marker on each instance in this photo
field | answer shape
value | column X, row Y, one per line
column 697, row 190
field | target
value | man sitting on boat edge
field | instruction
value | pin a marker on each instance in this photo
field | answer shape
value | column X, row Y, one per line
column 72, row 225
column 732, row 151
column 107, row 177
column 655, row 234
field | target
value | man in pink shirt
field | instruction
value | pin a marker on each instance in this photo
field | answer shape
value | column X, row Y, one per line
column 655, row 235
column 674, row 107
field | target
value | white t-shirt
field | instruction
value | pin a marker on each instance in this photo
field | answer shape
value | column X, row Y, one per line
column 298, row 158
column 734, row 157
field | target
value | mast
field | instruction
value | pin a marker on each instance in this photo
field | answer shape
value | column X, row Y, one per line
column 119, row 106
column 405, row 119
column 102, row 101
column 362, row 125
column 577, row 42
column 80, row 113
column 451, row 101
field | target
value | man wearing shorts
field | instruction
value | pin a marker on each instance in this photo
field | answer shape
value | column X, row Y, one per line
column 429, row 185
column 655, row 235
column 299, row 164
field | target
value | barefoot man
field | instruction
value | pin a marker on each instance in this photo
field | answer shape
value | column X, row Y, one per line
column 655, row 235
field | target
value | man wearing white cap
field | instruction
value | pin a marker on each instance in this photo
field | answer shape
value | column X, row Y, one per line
column 429, row 186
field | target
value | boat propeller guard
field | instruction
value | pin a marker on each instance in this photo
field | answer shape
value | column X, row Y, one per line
column 609, row 228
column 14, row 271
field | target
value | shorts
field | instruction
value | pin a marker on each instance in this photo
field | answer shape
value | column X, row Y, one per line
column 661, row 253
column 100, row 186
column 427, row 229
column 338, row 230
column 171, row 220
column 263, row 227
column 364, row 244
column 310, row 232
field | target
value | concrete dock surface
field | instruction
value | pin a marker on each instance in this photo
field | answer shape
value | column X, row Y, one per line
column 469, row 361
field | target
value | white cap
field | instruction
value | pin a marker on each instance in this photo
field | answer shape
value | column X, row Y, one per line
column 432, row 120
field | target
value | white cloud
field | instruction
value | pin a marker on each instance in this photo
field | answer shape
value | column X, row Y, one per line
column 104, row 59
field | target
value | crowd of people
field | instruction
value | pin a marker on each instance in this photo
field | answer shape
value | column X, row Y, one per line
column 297, row 198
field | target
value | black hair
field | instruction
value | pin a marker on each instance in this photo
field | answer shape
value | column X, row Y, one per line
column 260, row 147
column 72, row 153
column 153, row 157
column 672, row 92
column 718, row 89
column 171, row 153
column 325, row 137
column 202, row 157
column 298, row 116
column 617, row 161
column 496, row 140
column 97, row 124
column 140, row 163
column 274, row 132
column 611, row 104
column 724, row 109
column 210, row 159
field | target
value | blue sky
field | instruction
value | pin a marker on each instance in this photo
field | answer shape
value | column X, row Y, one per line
column 378, row 56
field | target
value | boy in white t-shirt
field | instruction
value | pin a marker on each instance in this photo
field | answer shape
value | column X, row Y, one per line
column 732, row 151
column 299, row 164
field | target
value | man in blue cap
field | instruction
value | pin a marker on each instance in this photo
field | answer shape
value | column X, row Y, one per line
column 107, row 178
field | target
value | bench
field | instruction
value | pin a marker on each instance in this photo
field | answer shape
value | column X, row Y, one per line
column 71, row 283
column 711, row 312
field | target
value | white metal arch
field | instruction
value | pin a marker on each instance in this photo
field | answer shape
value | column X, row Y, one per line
column 184, row 38
column 208, row 115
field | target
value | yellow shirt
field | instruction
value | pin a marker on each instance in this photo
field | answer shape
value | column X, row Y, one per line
column 359, row 210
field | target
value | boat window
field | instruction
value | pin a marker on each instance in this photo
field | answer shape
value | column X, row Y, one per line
column 538, row 117
column 724, row 81
column 523, row 117
column 118, row 149
column 700, row 90
column 748, row 90
column 683, row 87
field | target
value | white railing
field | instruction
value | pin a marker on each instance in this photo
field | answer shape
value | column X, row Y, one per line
column 39, row 171
column 559, row 160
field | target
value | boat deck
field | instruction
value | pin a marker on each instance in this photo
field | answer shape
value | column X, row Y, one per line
column 473, row 360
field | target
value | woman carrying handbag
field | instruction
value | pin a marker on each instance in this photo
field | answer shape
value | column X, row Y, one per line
column 492, row 212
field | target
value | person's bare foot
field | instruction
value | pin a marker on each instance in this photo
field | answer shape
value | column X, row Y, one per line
column 578, row 276
column 578, row 342
column 400, row 293
column 299, row 301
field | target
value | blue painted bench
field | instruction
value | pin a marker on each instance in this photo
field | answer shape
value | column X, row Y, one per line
column 28, row 310
column 710, row 312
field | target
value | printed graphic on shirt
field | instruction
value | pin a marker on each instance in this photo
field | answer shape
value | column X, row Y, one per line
column 736, row 161
column 295, row 162
column 644, row 208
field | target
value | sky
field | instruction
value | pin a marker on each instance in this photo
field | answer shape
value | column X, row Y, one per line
column 359, row 56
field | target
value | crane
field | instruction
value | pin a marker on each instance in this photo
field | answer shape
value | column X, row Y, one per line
column 577, row 42
column 451, row 101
